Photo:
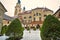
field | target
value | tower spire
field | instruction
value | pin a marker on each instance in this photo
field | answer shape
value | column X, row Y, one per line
column 24, row 8
column 19, row 1
column 17, row 8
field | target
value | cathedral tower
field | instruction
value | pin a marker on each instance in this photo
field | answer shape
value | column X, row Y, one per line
column 17, row 8
column 23, row 9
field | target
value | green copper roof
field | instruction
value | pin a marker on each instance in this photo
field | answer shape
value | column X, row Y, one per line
column 24, row 8
column 19, row 1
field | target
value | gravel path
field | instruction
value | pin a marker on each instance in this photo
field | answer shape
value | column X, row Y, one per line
column 33, row 35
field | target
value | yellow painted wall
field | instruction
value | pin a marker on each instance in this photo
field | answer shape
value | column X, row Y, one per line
column 6, row 22
column 40, row 11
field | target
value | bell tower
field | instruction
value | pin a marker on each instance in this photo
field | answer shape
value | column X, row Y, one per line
column 17, row 8
column 23, row 9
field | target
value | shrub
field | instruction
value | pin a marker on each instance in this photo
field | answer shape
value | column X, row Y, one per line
column 50, row 28
column 28, row 28
column 34, row 28
column 15, row 29
column 4, row 29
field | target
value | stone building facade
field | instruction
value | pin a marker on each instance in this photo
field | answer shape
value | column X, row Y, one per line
column 7, row 19
column 33, row 17
column 2, row 11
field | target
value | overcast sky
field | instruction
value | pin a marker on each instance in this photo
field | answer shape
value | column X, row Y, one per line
column 30, row 4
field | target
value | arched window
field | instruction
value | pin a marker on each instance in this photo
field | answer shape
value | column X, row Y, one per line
column 45, row 15
column 8, row 22
column 36, row 14
column 34, row 19
column 30, row 16
column 24, row 17
column 39, row 18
